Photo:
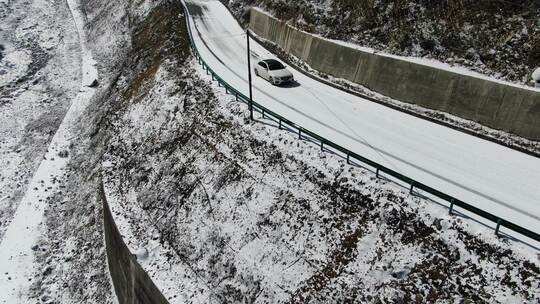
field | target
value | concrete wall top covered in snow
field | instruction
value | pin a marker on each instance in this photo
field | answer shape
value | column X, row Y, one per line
column 132, row 284
column 504, row 107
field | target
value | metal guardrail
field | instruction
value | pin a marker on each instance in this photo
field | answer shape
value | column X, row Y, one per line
column 352, row 155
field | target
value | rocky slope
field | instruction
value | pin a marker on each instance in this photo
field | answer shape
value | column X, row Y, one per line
column 498, row 38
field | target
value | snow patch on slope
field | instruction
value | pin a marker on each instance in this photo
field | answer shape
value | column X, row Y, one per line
column 13, row 65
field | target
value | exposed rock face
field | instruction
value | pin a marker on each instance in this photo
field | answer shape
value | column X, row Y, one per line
column 94, row 84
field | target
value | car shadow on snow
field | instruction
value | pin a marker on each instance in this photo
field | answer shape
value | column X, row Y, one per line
column 290, row 85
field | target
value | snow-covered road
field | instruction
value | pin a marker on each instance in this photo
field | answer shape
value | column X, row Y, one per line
column 489, row 176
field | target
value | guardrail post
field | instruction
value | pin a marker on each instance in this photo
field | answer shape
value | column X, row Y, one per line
column 412, row 188
column 263, row 113
column 227, row 90
column 249, row 76
column 451, row 207
column 299, row 133
column 322, row 145
column 279, row 124
column 498, row 226
column 236, row 97
column 348, row 159
column 377, row 173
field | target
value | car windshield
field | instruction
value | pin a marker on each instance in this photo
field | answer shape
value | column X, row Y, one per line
column 274, row 65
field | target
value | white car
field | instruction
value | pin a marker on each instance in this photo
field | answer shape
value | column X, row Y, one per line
column 273, row 71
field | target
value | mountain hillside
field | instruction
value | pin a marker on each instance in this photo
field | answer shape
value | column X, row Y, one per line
column 217, row 208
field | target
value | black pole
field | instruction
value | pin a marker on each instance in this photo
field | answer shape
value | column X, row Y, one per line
column 249, row 77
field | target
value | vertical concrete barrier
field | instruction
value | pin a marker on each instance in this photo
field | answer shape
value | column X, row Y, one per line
column 504, row 107
column 132, row 284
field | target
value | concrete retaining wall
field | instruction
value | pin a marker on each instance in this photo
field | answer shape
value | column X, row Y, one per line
column 503, row 107
column 131, row 283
